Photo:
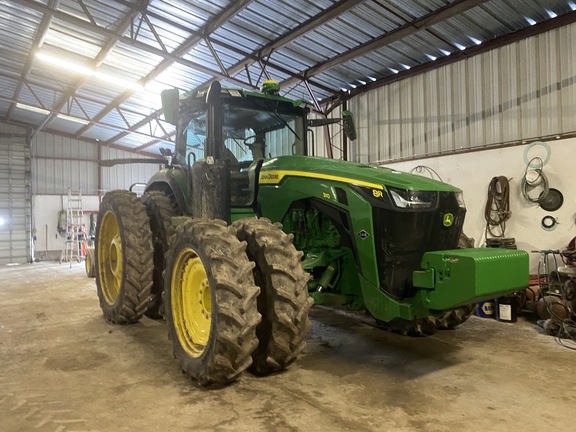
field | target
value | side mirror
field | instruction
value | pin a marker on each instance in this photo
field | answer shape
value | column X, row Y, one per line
column 171, row 105
column 349, row 128
column 322, row 122
column 347, row 124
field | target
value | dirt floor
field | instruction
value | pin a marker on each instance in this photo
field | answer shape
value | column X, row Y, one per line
column 63, row 368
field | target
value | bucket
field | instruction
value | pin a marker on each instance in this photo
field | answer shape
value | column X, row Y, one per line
column 506, row 309
column 485, row 309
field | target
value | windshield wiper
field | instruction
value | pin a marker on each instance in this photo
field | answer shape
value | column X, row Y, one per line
column 279, row 117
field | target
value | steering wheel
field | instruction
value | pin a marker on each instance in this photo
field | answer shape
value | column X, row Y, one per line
column 250, row 138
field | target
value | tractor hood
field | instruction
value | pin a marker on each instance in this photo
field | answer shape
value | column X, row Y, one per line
column 276, row 169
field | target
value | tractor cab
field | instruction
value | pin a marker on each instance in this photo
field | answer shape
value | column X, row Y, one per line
column 240, row 127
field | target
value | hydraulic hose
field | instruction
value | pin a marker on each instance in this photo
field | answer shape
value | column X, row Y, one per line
column 497, row 210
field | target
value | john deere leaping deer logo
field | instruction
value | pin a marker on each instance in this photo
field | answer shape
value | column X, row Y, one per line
column 448, row 220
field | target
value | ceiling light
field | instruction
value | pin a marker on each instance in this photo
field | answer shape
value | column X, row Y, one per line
column 80, row 69
column 362, row 82
column 405, row 66
column 431, row 57
column 446, row 53
column 61, row 63
column 530, row 20
column 372, row 79
column 32, row 108
column 393, row 70
column 476, row 41
column 73, row 119
column 572, row 5
column 460, row 47
column 119, row 82
column 551, row 14
column 1, row 221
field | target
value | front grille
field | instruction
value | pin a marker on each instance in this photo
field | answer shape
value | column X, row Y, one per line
column 402, row 237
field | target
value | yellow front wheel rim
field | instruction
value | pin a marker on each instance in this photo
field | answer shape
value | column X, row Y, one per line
column 110, row 264
column 191, row 302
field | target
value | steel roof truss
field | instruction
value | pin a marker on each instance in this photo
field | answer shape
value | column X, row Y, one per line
column 86, row 12
column 40, row 34
column 407, row 29
column 216, row 57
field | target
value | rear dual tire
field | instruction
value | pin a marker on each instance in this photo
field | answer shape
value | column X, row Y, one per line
column 283, row 301
column 123, row 257
column 89, row 264
column 210, row 302
column 235, row 298
column 213, row 306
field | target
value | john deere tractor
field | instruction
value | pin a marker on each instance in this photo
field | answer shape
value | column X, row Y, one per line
column 240, row 233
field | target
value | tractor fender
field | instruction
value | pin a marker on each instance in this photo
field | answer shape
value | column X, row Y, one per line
column 175, row 182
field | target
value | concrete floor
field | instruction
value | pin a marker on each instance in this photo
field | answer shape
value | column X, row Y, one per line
column 63, row 368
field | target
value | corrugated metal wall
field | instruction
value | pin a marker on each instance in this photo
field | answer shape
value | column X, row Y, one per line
column 123, row 176
column 15, row 196
column 60, row 163
column 522, row 91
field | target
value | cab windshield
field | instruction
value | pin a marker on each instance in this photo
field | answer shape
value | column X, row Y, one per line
column 249, row 134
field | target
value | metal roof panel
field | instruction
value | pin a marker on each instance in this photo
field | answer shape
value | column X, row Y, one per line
column 103, row 13
column 164, row 42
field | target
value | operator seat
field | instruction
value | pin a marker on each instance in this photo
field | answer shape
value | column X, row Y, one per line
column 232, row 160
column 258, row 150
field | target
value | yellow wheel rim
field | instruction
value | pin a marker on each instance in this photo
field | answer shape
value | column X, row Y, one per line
column 191, row 302
column 110, row 265
column 88, row 261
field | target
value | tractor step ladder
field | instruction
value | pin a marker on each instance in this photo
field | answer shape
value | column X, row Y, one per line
column 75, row 233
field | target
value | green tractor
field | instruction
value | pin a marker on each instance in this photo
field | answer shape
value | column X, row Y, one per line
column 242, row 231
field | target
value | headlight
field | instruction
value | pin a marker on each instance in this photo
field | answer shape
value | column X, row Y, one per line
column 460, row 199
column 411, row 199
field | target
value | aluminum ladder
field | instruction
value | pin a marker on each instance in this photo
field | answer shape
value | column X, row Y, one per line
column 75, row 229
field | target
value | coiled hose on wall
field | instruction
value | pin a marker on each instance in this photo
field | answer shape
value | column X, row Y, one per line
column 497, row 210
column 535, row 179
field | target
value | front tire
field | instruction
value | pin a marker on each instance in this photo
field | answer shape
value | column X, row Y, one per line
column 124, row 261
column 283, row 301
column 449, row 320
column 210, row 302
